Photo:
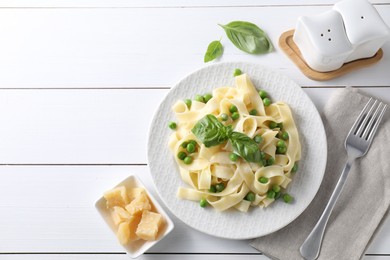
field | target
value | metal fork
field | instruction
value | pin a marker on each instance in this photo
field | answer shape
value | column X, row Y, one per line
column 357, row 144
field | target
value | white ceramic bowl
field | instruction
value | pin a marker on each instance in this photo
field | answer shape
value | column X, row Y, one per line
column 138, row 247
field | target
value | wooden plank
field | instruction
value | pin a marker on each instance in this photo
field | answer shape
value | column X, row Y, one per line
column 143, row 47
column 149, row 256
column 51, row 209
column 89, row 126
column 165, row 4
column 142, row 257
column 77, row 126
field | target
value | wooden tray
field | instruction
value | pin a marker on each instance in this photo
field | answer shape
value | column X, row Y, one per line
column 288, row 45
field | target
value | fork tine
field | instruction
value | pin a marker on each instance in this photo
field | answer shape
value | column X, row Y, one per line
column 357, row 123
column 366, row 118
column 370, row 134
column 371, row 121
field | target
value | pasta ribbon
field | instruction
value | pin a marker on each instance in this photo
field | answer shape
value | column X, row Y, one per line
column 215, row 174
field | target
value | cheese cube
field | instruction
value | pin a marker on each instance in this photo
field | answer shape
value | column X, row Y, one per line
column 365, row 29
column 322, row 40
column 116, row 197
column 120, row 215
column 126, row 230
column 116, row 218
column 133, row 224
column 149, row 225
column 134, row 192
column 123, row 233
column 137, row 205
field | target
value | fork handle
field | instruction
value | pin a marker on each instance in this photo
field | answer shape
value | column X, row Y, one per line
column 310, row 249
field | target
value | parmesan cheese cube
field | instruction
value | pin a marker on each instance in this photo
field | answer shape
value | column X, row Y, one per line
column 116, row 197
column 120, row 215
column 149, row 225
column 116, row 218
column 137, row 205
column 134, row 192
column 133, row 224
column 126, row 230
column 123, row 233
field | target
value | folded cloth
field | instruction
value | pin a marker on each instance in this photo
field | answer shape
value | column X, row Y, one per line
column 364, row 201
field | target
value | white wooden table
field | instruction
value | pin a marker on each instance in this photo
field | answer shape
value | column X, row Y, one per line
column 79, row 83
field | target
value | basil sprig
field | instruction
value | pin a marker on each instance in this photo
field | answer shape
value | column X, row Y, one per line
column 245, row 146
column 214, row 51
column 248, row 37
column 211, row 132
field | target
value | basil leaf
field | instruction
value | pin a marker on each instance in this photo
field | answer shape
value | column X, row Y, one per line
column 214, row 50
column 245, row 146
column 210, row 131
column 248, row 37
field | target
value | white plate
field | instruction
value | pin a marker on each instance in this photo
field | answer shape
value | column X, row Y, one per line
column 257, row 222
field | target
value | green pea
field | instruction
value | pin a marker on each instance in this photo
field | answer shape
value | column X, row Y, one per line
column 237, row 72
column 224, row 117
column 213, row 189
column 199, row 98
column 203, row 203
column 294, row 168
column 280, row 125
column 276, row 188
column 281, row 150
column 281, row 143
column 262, row 155
column 253, row 112
column 272, row 124
column 188, row 102
column 287, row 198
column 220, row 187
column 233, row 109
column 172, row 125
column 188, row 160
column 271, row 194
column 278, row 195
column 258, row 139
column 233, row 157
column 250, row 196
column 235, row 115
column 192, row 142
column 266, row 102
column 191, row 148
column 263, row 180
column 263, row 94
column 285, row 135
column 207, row 97
column 184, row 144
column 270, row 161
column 181, row 155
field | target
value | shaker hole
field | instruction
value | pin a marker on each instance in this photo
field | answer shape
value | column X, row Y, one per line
column 328, row 30
column 361, row 17
column 329, row 39
column 322, row 34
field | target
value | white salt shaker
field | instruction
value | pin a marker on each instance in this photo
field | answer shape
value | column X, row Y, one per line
column 322, row 40
column 352, row 30
column 365, row 28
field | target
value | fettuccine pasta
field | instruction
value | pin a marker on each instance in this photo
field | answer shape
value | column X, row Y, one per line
column 218, row 174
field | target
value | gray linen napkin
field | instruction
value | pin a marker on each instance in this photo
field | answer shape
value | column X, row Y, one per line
column 364, row 201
